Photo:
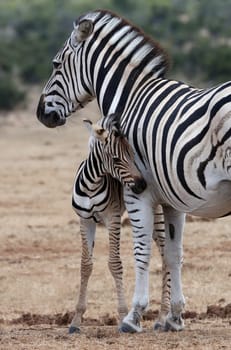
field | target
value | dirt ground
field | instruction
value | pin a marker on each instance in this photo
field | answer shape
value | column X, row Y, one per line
column 40, row 253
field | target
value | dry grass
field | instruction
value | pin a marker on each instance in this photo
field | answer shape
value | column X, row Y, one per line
column 40, row 255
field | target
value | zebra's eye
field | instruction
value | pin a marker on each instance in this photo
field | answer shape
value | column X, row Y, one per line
column 57, row 65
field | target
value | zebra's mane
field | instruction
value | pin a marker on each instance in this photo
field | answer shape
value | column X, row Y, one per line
column 147, row 48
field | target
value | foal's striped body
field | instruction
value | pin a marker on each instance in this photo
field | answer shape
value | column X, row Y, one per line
column 98, row 197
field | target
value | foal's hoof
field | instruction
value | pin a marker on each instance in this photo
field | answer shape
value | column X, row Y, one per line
column 159, row 327
column 73, row 329
column 129, row 327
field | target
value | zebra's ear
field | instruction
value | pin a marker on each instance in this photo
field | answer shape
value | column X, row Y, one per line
column 83, row 30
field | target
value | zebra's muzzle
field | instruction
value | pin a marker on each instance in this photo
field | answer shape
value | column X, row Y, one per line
column 50, row 119
column 140, row 186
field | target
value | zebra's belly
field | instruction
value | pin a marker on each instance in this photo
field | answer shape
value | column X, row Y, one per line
column 216, row 203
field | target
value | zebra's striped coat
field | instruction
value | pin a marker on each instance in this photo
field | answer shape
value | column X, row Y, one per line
column 180, row 135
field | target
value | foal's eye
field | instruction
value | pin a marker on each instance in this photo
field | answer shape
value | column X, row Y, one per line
column 116, row 160
column 57, row 64
column 100, row 131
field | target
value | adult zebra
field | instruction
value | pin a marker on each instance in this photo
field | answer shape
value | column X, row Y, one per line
column 180, row 135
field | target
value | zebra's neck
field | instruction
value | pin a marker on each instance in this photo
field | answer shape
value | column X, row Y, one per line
column 123, row 56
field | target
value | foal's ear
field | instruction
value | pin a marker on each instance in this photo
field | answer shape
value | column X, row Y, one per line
column 114, row 124
column 88, row 124
column 96, row 130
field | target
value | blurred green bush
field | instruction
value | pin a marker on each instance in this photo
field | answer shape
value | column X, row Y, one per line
column 195, row 33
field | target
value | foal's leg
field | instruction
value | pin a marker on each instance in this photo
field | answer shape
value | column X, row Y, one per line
column 159, row 238
column 87, row 229
column 114, row 262
column 173, row 254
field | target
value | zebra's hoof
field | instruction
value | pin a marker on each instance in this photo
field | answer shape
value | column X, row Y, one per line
column 73, row 329
column 174, row 325
column 128, row 327
column 159, row 327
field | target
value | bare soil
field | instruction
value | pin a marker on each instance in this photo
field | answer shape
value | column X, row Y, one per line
column 40, row 251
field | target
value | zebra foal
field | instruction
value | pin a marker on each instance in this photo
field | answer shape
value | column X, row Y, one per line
column 98, row 197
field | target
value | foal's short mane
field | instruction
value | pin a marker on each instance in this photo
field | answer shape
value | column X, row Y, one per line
column 156, row 49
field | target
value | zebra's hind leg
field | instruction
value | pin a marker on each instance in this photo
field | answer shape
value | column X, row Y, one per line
column 159, row 238
column 87, row 229
column 115, row 264
column 173, row 255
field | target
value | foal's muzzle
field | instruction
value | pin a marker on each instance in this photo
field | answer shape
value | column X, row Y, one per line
column 140, row 186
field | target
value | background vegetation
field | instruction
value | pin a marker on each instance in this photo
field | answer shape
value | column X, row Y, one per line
column 196, row 34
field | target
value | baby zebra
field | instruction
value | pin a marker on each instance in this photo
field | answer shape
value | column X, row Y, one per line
column 98, row 197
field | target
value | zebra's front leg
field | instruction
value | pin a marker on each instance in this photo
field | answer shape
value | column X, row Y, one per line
column 87, row 229
column 141, row 216
column 173, row 255
column 115, row 264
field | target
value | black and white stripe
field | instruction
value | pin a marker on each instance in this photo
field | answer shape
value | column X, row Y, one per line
column 180, row 135
column 98, row 197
